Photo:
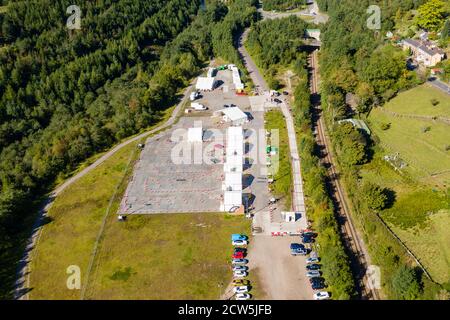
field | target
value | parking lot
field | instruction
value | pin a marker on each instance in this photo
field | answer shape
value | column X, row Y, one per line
column 282, row 276
column 161, row 185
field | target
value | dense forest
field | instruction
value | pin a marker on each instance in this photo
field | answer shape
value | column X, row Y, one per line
column 67, row 94
column 276, row 45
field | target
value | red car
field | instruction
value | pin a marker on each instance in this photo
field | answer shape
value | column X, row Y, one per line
column 238, row 255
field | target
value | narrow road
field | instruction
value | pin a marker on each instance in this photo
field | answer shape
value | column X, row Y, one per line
column 439, row 85
column 298, row 202
column 281, row 275
column 352, row 239
column 22, row 286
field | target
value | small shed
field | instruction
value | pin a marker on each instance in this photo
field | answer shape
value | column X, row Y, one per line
column 234, row 115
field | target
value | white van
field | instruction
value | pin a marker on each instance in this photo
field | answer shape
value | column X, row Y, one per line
column 194, row 95
column 198, row 106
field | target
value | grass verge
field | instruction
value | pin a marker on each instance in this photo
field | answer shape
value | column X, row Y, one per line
column 282, row 186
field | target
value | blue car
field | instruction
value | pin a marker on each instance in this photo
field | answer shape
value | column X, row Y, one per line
column 237, row 236
column 298, row 249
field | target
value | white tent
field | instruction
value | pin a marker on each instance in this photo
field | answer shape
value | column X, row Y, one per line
column 234, row 159
column 234, row 115
column 211, row 72
column 205, row 83
column 235, row 141
column 232, row 199
column 195, row 134
column 230, row 167
column 233, row 181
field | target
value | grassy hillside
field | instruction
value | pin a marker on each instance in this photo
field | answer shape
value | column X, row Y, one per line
column 423, row 143
column 420, row 215
column 180, row 256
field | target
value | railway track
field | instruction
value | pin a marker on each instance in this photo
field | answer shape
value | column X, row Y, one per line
column 352, row 240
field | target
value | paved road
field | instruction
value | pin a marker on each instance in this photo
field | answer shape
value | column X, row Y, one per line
column 440, row 85
column 281, row 275
column 23, row 280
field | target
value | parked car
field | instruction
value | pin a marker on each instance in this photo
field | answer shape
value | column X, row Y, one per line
column 277, row 100
column 241, row 282
column 240, row 289
column 237, row 236
column 241, row 268
column 314, row 266
column 313, row 273
column 238, row 255
column 226, row 106
column 194, row 95
column 315, row 279
column 297, row 249
column 317, row 283
column 239, row 261
column 239, row 242
column 242, row 296
column 240, row 274
column 312, row 260
column 198, row 106
column 311, row 234
column 322, row 295
column 307, row 239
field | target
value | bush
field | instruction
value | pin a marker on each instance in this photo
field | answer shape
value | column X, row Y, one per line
column 434, row 102
column 406, row 284
column 385, row 126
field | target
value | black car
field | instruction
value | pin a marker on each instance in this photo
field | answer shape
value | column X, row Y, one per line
column 309, row 234
column 313, row 267
column 307, row 239
column 240, row 250
column 277, row 100
column 317, row 285
column 316, row 279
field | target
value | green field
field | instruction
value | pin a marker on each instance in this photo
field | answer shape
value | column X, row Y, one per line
column 171, row 256
column 76, row 217
column 179, row 256
column 422, row 144
column 283, row 177
column 420, row 215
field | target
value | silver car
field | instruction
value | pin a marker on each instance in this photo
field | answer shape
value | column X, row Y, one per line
column 313, row 273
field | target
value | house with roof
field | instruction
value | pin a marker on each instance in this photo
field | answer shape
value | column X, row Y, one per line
column 424, row 52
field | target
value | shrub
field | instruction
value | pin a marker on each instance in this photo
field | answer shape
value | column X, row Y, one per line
column 434, row 102
column 385, row 126
column 405, row 283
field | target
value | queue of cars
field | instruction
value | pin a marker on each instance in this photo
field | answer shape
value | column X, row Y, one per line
column 312, row 264
column 241, row 286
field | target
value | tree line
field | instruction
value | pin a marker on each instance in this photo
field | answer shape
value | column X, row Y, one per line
column 277, row 45
column 363, row 64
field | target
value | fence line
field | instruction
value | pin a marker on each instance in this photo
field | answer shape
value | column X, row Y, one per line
column 405, row 247
column 102, row 228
